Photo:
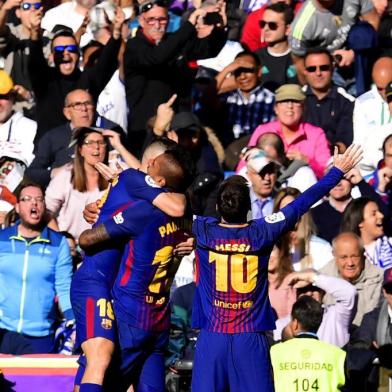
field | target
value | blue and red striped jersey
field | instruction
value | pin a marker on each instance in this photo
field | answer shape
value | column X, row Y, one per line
column 141, row 290
column 232, row 265
column 102, row 261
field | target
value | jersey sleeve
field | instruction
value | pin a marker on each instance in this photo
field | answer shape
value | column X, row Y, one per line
column 129, row 222
column 140, row 185
column 285, row 219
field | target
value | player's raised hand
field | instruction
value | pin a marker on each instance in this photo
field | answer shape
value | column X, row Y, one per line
column 184, row 248
column 107, row 172
column 349, row 159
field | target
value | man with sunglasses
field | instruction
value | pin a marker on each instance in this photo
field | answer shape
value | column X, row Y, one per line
column 52, row 84
column 278, row 69
column 326, row 105
column 14, row 48
column 156, row 62
column 250, row 104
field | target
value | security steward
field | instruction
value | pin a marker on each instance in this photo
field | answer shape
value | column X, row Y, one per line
column 304, row 363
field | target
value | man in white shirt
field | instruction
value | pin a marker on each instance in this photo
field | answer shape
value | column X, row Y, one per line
column 371, row 112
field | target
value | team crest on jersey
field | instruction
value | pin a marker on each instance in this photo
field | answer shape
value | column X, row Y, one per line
column 276, row 217
column 151, row 182
column 106, row 324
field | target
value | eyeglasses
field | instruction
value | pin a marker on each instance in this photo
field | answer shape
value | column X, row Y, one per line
column 27, row 6
column 241, row 70
column 322, row 68
column 288, row 102
column 92, row 143
column 68, row 48
column 147, row 6
column 271, row 25
column 28, row 199
column 151, row 21
column 347, row 257
column 79, row 106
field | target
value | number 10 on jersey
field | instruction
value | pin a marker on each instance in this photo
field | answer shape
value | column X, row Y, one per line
column 243, row 272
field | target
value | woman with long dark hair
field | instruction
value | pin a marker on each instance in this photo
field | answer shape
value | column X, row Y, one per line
column 363, row 217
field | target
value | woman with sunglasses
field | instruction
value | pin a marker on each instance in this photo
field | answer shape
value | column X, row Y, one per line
column 79, row 182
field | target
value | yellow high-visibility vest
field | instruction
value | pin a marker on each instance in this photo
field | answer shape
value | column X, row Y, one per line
column 307, row 365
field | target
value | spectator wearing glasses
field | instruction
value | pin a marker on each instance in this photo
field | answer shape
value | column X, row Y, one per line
column 326, row 105
column 250, row 104
column 52, row 84
column 302, row 141
column 78, row 183
column 14, row 41
column 156, row 62
column 52, row 150
column 277, row 67
column 350, row 264
column 36, row 267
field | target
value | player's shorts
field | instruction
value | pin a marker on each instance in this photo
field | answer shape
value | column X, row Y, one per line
column 232, row 362
column 92, row 306
column 142, row 357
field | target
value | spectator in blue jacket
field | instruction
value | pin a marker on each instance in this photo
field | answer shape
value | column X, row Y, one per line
column 35, row 268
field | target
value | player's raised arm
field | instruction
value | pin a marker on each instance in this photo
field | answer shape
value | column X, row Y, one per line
column 286, row 218
column 91, row 237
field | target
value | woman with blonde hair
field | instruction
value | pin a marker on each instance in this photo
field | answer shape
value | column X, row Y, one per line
column 306, row 249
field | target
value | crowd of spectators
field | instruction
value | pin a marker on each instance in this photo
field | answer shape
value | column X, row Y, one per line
column 265, row 88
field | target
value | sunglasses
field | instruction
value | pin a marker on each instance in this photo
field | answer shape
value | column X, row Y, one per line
column 68, row 48
column 27, row 6
column 147, row 6
column 271, row 25
column 241, row 70
column 322, row 68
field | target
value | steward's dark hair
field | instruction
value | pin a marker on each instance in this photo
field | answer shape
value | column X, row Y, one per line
column 308, row 312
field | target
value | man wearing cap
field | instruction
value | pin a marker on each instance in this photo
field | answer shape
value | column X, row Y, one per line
column 302, row 140
column 156, row 62
column 262, row 173
column 52, row 84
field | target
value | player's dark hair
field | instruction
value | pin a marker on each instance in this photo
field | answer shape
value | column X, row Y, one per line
column 385, row 142
column 250, row 54
column 353, row 215
column 233, row 200
column 318, row 50
column 282, row 8
column 308, row 312
column 177, row 169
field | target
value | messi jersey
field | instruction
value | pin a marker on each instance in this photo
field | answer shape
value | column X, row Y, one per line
column 102, row 262
column 232, row 265
column 141, row 290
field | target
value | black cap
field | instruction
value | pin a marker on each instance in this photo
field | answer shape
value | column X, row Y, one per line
column 388, row 92
column 185, row 120
column 61, row 30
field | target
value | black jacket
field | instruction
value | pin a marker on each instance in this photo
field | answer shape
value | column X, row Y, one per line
column 333, row 113
column 50, row 86
column 154, row 72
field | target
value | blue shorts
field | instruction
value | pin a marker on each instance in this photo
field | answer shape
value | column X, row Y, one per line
column 142, row 357
column 232, row 362
column 92, row 306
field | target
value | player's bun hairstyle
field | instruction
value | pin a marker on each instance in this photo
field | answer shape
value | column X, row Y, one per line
column 308, row 312
column 233, row 200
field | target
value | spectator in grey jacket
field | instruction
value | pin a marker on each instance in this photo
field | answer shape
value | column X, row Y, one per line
column 350, row 264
